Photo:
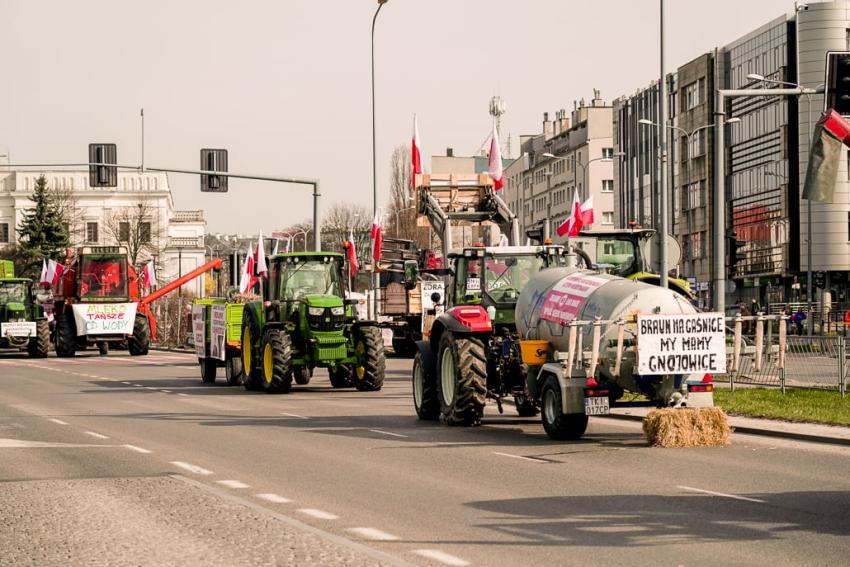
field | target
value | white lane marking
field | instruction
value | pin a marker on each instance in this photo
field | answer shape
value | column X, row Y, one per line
column 18, row 444
column 388, row 433
column 138, row 385
column 373, row 534
column 181, row 394
column 722, row 494
column 57, row 421
column 150, row 388
column 318, row 514
column 270, row 497
column 166, row 391
column 532, row 459
column 441, row 557
column 232, row 484
column 295, row 415
column 139, row 449
column 128, row 383
column 191, row 468
column 95, row 435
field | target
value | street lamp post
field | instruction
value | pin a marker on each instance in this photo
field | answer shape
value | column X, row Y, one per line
column 375, row 283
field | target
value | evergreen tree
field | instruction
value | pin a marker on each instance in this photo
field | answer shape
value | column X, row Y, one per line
column 41, row 233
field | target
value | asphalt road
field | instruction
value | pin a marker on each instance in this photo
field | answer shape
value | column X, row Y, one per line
column 120, row 460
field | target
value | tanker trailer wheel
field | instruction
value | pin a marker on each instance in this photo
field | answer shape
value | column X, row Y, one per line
column 140, row 342
column 277, row 361
column 302, row 375
column 207, row 368
column 559, row 426
column 233, row 370
column 340, row 376
column 462, row 379
column 425, row 397
column 66, row 335
column 251, row 367
column 369, row 372
column 40, row 344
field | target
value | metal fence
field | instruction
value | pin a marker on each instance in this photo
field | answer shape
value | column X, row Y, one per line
column 770, row 357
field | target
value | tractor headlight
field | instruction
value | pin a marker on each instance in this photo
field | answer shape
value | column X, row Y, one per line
column 337, row 310
column 316, row 311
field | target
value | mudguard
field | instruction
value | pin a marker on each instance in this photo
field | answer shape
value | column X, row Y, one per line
column 429, row 358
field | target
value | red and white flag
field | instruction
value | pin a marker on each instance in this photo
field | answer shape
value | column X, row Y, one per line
column 248, row 279
column 587, row 212
column 572, row 226
column 149, row 275
column 353, row 265
column 415, row 155
column 262, row 269
column 495, row 164
column 43, row 279
column 377, row 238
column 51, row 272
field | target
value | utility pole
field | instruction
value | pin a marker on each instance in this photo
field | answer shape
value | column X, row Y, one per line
column 662, row 159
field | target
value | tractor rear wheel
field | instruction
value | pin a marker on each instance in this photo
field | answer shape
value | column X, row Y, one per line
column 340, row 377
column 425, row 399
column 140, row 343
column 207, row 367
column 559, row 426
column 277, row 361
column 233, row 370
column 302, row 374
column 40, row 344
column 462, row 379
column 252, row 378
column 369, row 373
column 66, row 335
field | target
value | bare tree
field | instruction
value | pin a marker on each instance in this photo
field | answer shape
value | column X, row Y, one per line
column 71, row 213
column 401, row 214
column 137, row 227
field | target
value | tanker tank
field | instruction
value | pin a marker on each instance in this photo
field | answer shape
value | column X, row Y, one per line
column 556, row 296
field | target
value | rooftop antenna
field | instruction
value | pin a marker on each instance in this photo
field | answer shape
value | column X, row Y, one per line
column 497, row 109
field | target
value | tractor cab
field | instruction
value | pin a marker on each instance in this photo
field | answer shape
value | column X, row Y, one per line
column 102, row 274
column 310, row 282
column 15, row 299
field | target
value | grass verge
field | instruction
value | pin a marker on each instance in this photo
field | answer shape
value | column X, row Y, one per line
column 811, row 406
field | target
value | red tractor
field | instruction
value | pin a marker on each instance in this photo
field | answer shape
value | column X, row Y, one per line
column 98, row 302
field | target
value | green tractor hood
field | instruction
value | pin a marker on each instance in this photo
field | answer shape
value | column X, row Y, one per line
column 323, row 300
column 15, row 308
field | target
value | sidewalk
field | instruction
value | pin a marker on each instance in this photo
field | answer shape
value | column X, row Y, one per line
column 814, row 432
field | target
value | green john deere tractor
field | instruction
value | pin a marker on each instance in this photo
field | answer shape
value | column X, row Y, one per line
column 305, row 323
column 22, row 321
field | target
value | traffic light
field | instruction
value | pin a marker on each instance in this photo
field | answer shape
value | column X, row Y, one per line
column 837, row 82
column 214, row 160
column 103, row 175
column 733, row 247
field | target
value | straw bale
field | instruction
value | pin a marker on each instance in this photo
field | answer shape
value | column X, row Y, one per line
column 687, row 427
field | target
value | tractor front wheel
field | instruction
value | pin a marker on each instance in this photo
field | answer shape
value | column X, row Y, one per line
column 340, row 377
column 369, row 372
column 40, row 344
column 462, row 382
column 525, row 406
column 302, row 375
column 425, row 399
column 207, row 367
column 277, row 361
column 140, row 343
column 66, row 335
column 103, row 348
column 559, row 426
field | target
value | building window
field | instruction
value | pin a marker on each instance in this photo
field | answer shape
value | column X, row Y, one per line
column 4, row 233
column 607, row 153
column 144, row 232
column 608, row 217
column 607, row 185
column 693, row 97
column 123, row 231
column 91, row 232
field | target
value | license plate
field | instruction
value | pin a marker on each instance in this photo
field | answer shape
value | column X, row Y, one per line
column 596, row 406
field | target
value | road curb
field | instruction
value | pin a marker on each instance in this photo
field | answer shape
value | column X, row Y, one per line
column 760, row 432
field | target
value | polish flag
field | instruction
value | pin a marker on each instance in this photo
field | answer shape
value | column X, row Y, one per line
column 44, row 279
column 353, row 265
column 377, row 238
column 248, row 279
column 495, row 165
column 260, row 258
column 149, row 275
column 51, row 272
column 572, row 226
column 415, row 155
column 587, row 212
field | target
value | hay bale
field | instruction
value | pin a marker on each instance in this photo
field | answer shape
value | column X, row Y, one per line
column 687, row 427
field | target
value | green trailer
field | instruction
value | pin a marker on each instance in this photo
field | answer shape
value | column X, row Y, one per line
column 23, row 324
column 206, row 318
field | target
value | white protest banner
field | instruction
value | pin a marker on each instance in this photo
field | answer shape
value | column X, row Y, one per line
column 564, row 301
column 104, row 318
column 199, row 330
column 17, row 329
column 218, row 330
column 681, row 344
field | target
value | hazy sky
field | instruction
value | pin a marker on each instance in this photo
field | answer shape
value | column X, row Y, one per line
column 285, row 84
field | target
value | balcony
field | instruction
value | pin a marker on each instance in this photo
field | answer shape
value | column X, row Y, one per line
column 188, row 216
column 185, row 242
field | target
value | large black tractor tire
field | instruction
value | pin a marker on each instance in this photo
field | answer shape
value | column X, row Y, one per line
column 140, row 343
column 207, row 368
column 66, row 335
column 277, row 361
column 525, row 406
column 559, row 426
column 252, row 373
column 425, row 398
column 461, row 379
column 369, row 375
column 404, row 347
column 40, row 344
column 340, row 377
column 103, row 348
column 233, row 370
column 302, row 375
